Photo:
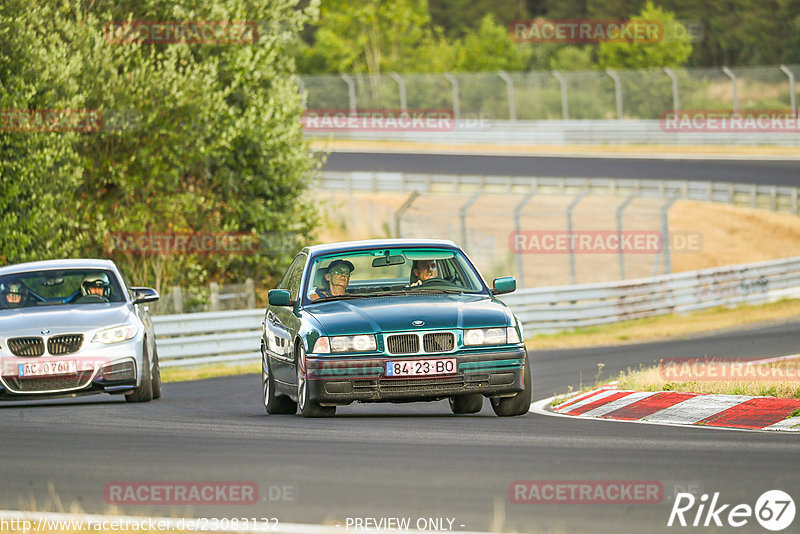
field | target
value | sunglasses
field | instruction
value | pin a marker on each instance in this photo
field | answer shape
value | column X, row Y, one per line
column 432, row 267
column 341, row 270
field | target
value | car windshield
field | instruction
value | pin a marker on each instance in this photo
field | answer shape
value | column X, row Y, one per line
column 380, row 272
column 58, row 288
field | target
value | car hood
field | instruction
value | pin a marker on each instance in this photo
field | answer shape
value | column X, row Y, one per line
column 395, row 314
column 62, row 319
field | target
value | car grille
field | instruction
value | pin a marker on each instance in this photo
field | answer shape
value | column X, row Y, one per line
column 47, row 384
column 26, row 346
column 431, row 342
column 439, row 342
column 423, row 384
column 403, row 344
column 65, row 344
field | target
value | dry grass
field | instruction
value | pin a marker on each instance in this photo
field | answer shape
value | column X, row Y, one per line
column 658, row 379
column 668, row 326
column 207, row 371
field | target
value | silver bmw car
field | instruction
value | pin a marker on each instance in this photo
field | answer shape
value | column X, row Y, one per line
column 75, row 327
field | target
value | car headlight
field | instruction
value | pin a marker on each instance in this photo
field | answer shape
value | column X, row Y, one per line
column 361, row 343
column 485, row 336
column 116, row 334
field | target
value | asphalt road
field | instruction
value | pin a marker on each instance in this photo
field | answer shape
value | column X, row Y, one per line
column 748, row 171
column 409, row 461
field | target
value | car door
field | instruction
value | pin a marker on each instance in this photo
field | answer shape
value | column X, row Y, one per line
column 283, row 323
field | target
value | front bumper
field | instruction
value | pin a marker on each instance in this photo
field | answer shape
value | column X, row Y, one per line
column 495, row 373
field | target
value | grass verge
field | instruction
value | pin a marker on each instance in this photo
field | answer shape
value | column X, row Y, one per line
column 668, row 326
column 778, row 379
column 173, row 374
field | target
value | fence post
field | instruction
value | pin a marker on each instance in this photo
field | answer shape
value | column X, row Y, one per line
column 250, row 289
column 618, row 214
column 729, row 73
column 456, row 102
column 676, row 104
column 462, row 214
column 177, row 299
column 617, row 90
column 564, row 97
column 401, row 85
column 351, row 91
column 398, row 216
column 301, row 86
column 512, row 112
column 792, row 93
column 572, row 274
column 214, row 296
column 665, row 250
column 518, row 228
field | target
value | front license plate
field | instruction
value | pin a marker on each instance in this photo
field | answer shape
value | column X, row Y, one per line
column 421, row 367
column 65, row 367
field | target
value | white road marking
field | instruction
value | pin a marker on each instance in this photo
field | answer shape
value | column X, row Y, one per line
column 697, row 408
column 617, row 404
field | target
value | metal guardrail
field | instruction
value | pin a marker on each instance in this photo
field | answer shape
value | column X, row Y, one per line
column 547, row 310
column 774, row 198
column 567, row 132
column 234, row 336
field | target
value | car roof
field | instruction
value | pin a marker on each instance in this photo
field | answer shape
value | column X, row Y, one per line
column 316, row 250
column 49, row 265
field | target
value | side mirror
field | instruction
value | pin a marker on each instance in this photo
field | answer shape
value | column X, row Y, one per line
column 144, row 294
column 504, row 284
column 279, row 297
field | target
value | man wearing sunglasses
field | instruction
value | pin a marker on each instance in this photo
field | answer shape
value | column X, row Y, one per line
column 422, row 270
column 15, row 294
column 337, row 275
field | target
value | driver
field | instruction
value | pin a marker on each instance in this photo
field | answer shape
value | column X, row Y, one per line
column 95, row 284
column 14, row 294
column 422, row 270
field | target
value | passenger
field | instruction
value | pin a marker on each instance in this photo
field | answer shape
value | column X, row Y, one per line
column 14, row 294
column 337, row 277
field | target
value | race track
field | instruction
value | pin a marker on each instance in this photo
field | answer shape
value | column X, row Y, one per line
column 412, row 460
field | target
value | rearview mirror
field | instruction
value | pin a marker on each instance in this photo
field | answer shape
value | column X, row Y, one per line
column 504, row 284
column 383, row 261
column 279, row 297
column 144, row 294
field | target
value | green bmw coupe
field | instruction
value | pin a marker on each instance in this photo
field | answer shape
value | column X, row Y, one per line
column 395, row 320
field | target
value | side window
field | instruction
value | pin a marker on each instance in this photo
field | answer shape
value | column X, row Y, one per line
column 291, row 280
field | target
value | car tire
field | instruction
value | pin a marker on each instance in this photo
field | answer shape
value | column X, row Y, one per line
column 463, row 404
column 273, row 404
column 156, row 375
column 143, row 393
column 307, row 407
column 520, row 403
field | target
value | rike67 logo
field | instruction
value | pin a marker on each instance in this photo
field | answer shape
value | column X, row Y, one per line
column 774, row 510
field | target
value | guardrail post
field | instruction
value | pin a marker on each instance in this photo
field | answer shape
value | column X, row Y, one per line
column 572, row 274
column 618, row 215
column 462, row 214
column 518, row 229
column 351, row 91
column 456, row 101
column 512, row 112
column 250, row 289
column 214, row 296
column 617, row 90
column 398, row 216
column 564, row 96
column 729, row 73
column 676, row 104
column 794, row 201
column 665, row 250
column 773, row 198
column 401, row 85
column 792, row 93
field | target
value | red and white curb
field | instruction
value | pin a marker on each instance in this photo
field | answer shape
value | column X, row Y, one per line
column 669, row 407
